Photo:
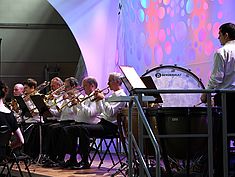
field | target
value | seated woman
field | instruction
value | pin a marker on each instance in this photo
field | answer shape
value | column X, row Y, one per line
column 7, row 119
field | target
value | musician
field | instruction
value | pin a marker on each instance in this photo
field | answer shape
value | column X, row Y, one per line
column 223, row 77
column 106, row 124
column 87, row 112
column 54, row 98
column 18, row 89
column 30, row 86
column 7, row 118
column 67, row 116
column 223, row 74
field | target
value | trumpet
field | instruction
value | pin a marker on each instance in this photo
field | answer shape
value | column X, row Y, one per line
column 71, row 103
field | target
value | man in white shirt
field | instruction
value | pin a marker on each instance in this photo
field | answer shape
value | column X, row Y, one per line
column 106, row 124
column 223, row 73
column 223, row 77
column 84, row 111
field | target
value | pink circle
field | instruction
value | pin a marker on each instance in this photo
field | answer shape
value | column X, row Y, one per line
column 215, row 29
column 162, row 35
column 208, row 48
column 168, row 10
column 205, row 6
column 202, row 35
column 168, row 31
column 180, row 31
column 166, row 2
column 161, row 12
column 209, row 26
column 168, row 47
column 172, row 13
column 158, row 54
column 221, row 1
column 220, row 15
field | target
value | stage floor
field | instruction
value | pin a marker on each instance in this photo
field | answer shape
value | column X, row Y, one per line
column 39, row 171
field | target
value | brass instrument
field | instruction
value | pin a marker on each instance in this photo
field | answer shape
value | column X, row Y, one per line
column 14, row 105
column 37, row 90
column 81, row 100
column 71, row 91
column 50, row 95
column 99, row 91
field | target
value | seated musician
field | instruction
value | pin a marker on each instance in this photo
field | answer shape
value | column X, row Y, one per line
column 106, row 124
column 7, row 118
column 86, row 112
column 31, row 131
column 54, row 98
column 65, row 116
column 30, row 86
column 18, row 90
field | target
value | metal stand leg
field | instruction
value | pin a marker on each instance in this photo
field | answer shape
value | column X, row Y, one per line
column 41, row 156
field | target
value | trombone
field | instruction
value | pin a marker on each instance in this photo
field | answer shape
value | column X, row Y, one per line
column 73, row 90
column 37, row 90
column 50, row 94
column 107, row 89
column 67, row 104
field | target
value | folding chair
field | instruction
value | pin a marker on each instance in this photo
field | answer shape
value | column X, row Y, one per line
column 17, row 158
column 5, row 136
column 107, row 141
column 104, row 140
column 94, row 147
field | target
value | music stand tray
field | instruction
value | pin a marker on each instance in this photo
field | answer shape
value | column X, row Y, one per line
column 23, row 106
column 41, row 106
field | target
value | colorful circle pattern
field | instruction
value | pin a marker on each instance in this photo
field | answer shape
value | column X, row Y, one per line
column 183, row 32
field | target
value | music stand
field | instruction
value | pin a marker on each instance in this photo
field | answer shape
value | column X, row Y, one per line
column 131, row 80
column 148, row 81
column 24, row 108
column 43, row 112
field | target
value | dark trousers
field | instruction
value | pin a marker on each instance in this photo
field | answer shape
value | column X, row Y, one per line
column 54, row 139
column 85, row 132
column 218, row 149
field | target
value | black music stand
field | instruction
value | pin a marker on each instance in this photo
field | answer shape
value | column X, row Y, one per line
column 25, row 110
column 43, row 113
column 148, row 81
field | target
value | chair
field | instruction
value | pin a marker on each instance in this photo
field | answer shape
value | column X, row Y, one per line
column 11, row 157
column 107, row 141
column 5, row 135
column 17, row 158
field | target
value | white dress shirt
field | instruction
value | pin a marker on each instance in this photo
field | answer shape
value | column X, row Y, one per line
column 110, row 109
column 223, row 73
column 88, row 111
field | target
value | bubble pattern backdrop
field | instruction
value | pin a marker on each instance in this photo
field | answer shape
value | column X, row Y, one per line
column 182, row 32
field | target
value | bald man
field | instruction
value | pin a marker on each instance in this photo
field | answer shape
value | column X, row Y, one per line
column 18, row 89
